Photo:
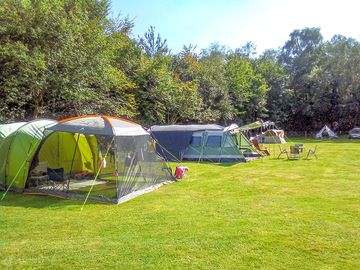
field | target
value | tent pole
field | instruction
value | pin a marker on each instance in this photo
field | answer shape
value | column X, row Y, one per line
column 72, row 162
column 203, row 137
column 98, row 172
column 222, row 143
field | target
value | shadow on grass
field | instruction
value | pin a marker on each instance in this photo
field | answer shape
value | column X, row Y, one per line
column 25, row 200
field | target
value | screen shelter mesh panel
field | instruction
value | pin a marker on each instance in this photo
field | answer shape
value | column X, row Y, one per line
column 67, row 164
column 103, row 187
column 139, row 167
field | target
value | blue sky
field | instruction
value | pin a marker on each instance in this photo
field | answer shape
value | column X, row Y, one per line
column 232, row 23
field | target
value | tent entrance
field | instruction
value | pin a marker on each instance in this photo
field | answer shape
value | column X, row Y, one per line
column 67, row 163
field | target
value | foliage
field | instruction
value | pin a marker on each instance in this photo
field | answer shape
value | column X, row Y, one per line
column 213, row 85
column 55, row 59
column 247, row 89
column 65, row 58
column 153, row 46
column 279, row 97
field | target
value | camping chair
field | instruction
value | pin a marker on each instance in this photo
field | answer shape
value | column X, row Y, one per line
column 256, row 144
column 300, row 147
column 56, row 178
column 312, row 151
column 294, row 152
column 283, row 151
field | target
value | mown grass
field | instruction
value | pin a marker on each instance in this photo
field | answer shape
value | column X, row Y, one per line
column 267, row 214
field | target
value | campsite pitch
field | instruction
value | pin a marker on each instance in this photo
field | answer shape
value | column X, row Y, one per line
column 266, row 214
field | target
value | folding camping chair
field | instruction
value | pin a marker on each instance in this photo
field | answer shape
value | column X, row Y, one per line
column 294, row 152
column 56, row 178
column 282, row 152
column 312, row 151
column 256, row 144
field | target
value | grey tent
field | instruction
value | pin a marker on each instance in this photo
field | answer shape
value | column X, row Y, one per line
column 203, row 143
column 174, row 139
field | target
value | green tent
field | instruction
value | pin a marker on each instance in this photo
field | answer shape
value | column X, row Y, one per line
column 203, row 143
column 245, row 146
column 21, row 145
column 72, row 152
column 219, row 145
column 254, row 125
column 7, row 132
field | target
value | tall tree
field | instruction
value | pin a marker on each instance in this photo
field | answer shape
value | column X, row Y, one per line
column 213, row 85
column 300, row 55
column 279, row 96
column 153, row 44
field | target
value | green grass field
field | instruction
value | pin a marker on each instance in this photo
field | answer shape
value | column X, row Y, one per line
column 266, row 214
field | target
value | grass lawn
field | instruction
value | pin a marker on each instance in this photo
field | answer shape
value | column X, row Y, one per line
column 266, row 214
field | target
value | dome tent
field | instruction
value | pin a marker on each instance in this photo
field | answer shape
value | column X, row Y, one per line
column 107, row 158
column 326, row 131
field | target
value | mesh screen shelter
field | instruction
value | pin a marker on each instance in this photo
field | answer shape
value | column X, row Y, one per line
column 106, row 158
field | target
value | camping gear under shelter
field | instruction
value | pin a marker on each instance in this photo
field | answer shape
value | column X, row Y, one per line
column 271, row 136
column 269, row 133
column 98, row 157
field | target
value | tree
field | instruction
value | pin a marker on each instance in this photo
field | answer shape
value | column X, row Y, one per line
column 153, row 46
column 337, row 97
column 247, row 88
column 279, row 96
column 56, row 59
column 213, row 86
column 300, row 55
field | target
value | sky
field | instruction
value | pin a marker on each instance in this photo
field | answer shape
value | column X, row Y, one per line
column 232, row 23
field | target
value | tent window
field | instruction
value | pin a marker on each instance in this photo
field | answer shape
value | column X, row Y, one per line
column 195, row 141
column 214, row 141
column 229, row 142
